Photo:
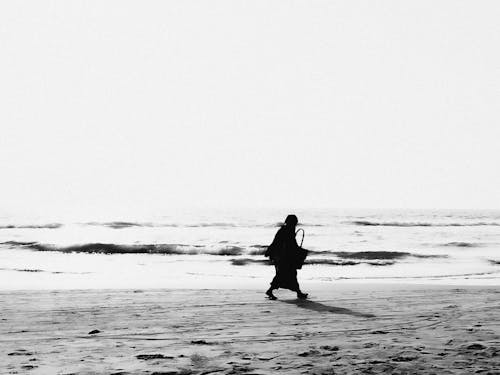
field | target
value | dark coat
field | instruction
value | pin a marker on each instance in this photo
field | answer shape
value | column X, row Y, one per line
column 285, row 250
column 287, row 257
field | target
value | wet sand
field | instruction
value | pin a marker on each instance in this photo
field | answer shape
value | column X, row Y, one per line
column 347, row 329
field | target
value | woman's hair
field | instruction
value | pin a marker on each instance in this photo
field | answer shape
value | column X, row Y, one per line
column 291, row 220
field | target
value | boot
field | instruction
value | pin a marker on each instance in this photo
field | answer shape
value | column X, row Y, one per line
column 301, row 295
column 270, row 294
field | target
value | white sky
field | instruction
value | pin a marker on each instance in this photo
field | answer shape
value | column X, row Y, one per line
column 144, row 105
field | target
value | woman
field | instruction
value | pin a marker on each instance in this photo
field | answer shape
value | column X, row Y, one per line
column 285, row 254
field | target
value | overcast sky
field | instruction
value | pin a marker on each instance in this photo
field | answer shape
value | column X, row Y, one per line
column 145, row 105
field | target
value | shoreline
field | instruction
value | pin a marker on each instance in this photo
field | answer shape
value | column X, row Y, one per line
column 321, row 286
column 29, row 270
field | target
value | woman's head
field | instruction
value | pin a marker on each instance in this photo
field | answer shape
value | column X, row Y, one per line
column 291, row 221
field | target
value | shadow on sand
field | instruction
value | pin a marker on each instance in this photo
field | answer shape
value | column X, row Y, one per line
column 319, row 307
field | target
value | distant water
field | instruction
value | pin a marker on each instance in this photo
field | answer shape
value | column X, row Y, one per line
column 183, row 248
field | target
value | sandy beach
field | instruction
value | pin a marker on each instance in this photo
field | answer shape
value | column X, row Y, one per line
column 346, row 329
column 165, row 164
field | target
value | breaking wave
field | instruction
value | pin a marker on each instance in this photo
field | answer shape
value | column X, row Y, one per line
column 245, row 261
column 384, row 255
column 461, row 244
column 419, row 224
column 35, row 270
column 340, row 258
column 110, row 248
column 32, row 226
column 131, row 224
column 313, row 261
column 257, row 250
column 334, row 262
column 120, row 224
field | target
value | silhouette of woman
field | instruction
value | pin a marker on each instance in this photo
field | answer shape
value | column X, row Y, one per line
column 284, row 253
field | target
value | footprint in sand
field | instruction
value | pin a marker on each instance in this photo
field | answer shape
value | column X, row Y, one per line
column 329, row 348
column 20, row 352
column 309, row 353
column 147, row 357
column 28, row 367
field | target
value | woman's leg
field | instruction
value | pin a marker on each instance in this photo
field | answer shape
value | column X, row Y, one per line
column 297, row 287
column 274, row 284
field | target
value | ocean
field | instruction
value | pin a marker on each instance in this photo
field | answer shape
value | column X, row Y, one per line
column 224, row 249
